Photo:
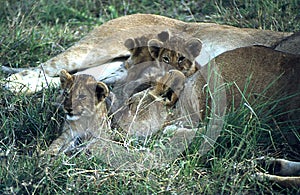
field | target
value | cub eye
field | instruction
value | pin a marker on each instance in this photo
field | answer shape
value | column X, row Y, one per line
column 166, row 59
column 181, row 59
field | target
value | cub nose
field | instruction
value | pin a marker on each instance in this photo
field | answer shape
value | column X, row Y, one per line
column 69, row 111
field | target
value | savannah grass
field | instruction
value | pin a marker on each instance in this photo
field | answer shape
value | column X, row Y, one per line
column 33, row 31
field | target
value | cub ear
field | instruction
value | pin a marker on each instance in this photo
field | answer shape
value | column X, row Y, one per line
column 154, row 46
column 66, row 79
column 129, row 44
column 194, row 46
column 102, row 91
column 164, row 36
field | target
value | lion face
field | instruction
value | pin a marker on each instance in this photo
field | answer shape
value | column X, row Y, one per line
column 85, row 110
column 83, row 95
column 151, row 59
column 176, row 51
column 146, row 112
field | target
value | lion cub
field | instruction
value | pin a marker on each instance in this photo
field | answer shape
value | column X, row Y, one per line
column 169, row 87
column 176, row 51
column 151, row 58
column 85, row 109
column 170, row 50
column 146, row 112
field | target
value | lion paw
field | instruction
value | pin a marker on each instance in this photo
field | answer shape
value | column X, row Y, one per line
column 29, row 81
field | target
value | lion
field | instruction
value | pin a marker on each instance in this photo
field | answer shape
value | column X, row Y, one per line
column 241, row 77
column 151, row 78
column 87, row 121
column 250, row 74
column 163, row 93
column 228, row 46
column 145, row 112
column 244, row 63
column 85, row 110
column 106, row 43
column 272, row 74
column 170, row 50
column 165, row 48
column 146, row 66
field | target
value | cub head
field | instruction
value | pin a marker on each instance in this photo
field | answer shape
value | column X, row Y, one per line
column 138, row 49
column 142, row 114
column 169, row 86
column 82, row 94
column 146, row 112
column 176, row 51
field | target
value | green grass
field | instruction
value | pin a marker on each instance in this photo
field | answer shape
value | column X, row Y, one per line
column 33, row 31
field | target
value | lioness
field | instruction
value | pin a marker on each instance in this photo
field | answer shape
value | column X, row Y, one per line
column 250, row 74
column 247, row 76
column 244, row 76
column 106, row 43
column 236, row 67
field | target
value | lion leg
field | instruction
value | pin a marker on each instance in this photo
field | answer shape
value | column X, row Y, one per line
column 291, row 181
column 283, row 172
column 64, row 143
column 282, row 167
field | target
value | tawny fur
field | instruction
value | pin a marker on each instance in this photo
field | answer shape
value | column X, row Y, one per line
column 85, row 109
column 106, row 43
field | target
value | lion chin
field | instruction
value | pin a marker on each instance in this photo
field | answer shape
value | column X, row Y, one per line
column 72, row 118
